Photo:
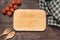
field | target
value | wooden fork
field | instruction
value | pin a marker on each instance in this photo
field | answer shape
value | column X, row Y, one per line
column 10, row 35
column 6, row 31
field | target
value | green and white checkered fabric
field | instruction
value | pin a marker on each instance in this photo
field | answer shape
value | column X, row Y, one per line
column 52, row 9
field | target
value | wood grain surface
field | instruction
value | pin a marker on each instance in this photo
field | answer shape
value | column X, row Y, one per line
column 29, row 20
column 51, row 33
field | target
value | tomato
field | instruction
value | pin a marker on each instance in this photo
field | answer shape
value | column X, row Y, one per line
column 13, row 2
column 4, row 11
column 7, row 8
column 15, row 7
column 10, row 5
column 12, row 9
column 18, row 2
column 9, row 13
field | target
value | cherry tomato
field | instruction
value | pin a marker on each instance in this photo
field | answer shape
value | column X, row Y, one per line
column 12, row 9
column 9, row 14
column 10, row 5
column 4, row 11
column 18, row 2
column 13, row 2
column 15, row 7
column 7, row 8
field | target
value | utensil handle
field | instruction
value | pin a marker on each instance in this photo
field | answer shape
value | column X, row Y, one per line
column 5, row 39
column 1, row 35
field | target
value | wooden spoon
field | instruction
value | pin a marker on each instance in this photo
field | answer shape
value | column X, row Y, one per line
column 10, row 35
column 6, row 31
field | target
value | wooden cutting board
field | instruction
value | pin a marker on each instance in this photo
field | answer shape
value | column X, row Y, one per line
column 29, row 20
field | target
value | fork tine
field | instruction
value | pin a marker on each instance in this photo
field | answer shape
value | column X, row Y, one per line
column 9, row 29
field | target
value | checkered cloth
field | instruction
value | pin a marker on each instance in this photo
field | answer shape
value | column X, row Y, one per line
column 52, row 9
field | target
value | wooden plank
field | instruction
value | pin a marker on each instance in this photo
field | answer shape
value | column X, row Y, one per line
column 29, row 20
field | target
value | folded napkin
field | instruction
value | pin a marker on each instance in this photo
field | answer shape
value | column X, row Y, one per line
column 52, row 9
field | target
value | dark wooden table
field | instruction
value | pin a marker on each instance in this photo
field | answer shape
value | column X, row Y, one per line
column 51, row 33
